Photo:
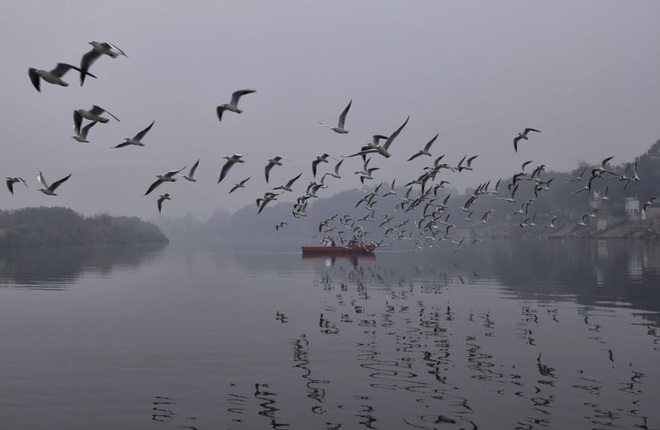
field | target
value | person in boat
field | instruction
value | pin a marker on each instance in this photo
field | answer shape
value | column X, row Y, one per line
column 354, row 241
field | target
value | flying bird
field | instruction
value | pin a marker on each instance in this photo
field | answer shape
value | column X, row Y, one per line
column 11, row 180
column 272, row 162
column 190, row 176
column 81, row 135
column 137, row 139
column 50, row 189
column 231, row 160
column 287, row 186
column 239, row 185
column 98, row 49
column 342, row 119
column 233, row 104
column 167, row 177
column 94, row 114
column 425, row 150
column 384, row 149
column 522, row 135
column 319, row 159
column 161, row 199
column 53, row 76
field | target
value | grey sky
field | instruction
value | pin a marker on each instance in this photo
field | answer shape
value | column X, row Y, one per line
column 584, row 73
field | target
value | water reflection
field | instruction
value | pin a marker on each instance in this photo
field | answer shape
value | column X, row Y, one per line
column 55, row 269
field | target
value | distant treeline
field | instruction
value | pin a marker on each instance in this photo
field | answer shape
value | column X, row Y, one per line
column 58, row 226
column 554, row 195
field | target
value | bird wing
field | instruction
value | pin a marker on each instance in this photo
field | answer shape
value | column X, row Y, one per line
column 427, row 147
column 219, row 110
column 267, row 169
column 160, row 203
column 10, row 185
column 86, row 62
column 225, row 169
column 141, row 134
column 393, row 136
column 121, row 145
column 174, row 172
column 77, row 121
column 153, row 186
column 236, row 96
column 42, row 180
column 114, row 49
column 85, row 129
column 98, row 110
column 34, row 77
column 61, row 68
column 288, row 184
column 192, row 170
column 527, row 130
column 338, row 165
column 56, row 184
column 342, row 117
column 515, row 143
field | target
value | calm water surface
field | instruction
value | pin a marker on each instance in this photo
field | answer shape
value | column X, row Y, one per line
column 499, row 335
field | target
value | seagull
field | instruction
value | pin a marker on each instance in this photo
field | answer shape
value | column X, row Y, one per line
column 50, row 189
column 287, row 186
column 161, row 199
column 335, row 174
column 522, row 135
column 239, row 185
column 382, row 150
column 280, row 225
column 81, row 135
column 53, row 76
column 98, row 49
column 272, row 162
column 94, row 114
column 233, row 104
column 11, row 180
column 425, row 150
column 167, row 177
column 136, row 140
column 263, row 201
column 191, row 174
column 231, row 160
column 342, row 119
column 319, row 159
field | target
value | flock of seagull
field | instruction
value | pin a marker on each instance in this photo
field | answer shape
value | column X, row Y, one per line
column 421, row 192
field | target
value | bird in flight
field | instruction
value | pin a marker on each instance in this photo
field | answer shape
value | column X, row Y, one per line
column 522, row 135
column 167, row 177
column 81, row 134
column 233, row 104
column 231, row 160
column 98, row 49
column 11, row 180
column 342, row 120
column 49, row 190
column 272, row 162
column 190, row 176
column 425, row 150
column 137, row 139
column 53, row 76
column 161, row 199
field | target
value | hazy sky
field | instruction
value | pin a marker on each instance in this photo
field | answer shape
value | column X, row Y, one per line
column 585, row 73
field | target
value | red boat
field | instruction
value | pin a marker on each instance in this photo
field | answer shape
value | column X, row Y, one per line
column 350, row 249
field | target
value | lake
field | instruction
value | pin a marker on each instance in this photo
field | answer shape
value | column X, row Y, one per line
column 493, row 335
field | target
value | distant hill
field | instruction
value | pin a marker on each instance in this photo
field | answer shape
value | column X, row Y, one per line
column 434, row 213
column 58, row 226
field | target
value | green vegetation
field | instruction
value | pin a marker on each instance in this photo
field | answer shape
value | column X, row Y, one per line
column 58, row 226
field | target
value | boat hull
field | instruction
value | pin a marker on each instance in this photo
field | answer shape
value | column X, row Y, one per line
column 357, row 249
